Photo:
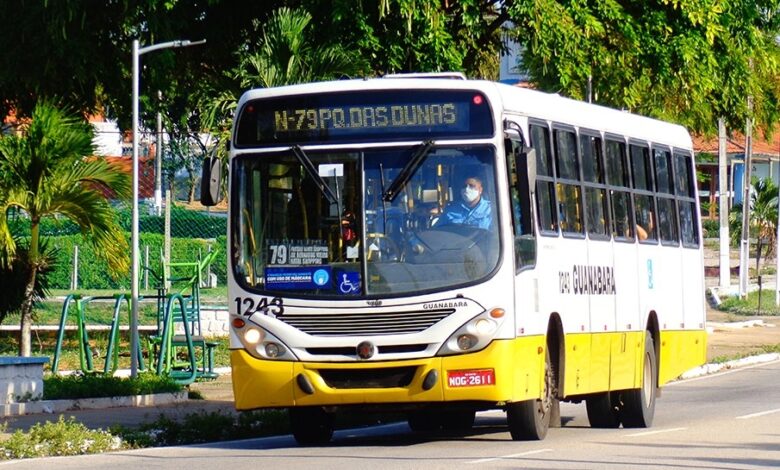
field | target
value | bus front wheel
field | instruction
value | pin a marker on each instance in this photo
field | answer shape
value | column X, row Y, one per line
column 529, row 420
column 311, row 425
column 638, row 405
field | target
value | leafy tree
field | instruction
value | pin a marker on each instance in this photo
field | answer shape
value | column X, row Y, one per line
column 689, row 61
column 45, row 171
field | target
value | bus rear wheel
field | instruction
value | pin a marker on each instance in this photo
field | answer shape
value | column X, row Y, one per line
column 638, row 405
column 603, row 410
column 529, row 420
column 311, row 425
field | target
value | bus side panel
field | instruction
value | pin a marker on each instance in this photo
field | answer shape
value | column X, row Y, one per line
column 602, row 313
column 577, row 369
column 627, row 317
column 625, row 351
column 681, row 351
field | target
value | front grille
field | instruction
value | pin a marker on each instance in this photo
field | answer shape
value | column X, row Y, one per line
column 388, row 377
column 367, row 324
column 352, row 351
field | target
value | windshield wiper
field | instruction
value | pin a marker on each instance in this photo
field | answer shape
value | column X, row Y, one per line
column 408, row 170
column 315, row 175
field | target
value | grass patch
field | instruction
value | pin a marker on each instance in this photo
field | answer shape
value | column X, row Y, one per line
column 766, row 349
column 62, row 437
column 750, row 306
column 203, row 427
column 57, row 387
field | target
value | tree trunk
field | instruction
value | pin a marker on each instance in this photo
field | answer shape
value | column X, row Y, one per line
column 25, row 335
column 191, row 190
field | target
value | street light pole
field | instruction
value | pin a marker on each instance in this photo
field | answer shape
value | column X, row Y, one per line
column 134, row 253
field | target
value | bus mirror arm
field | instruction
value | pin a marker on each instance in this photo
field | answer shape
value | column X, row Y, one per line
column 210, row 193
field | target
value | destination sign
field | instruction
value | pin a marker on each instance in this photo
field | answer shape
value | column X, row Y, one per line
column 360, row 116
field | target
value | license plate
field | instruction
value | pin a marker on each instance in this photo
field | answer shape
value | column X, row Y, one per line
column 470, row 378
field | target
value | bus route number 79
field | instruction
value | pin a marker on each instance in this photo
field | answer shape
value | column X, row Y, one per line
column 246, row 306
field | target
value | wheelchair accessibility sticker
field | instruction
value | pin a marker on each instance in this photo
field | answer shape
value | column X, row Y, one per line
column 348, row 282
column 313, row 277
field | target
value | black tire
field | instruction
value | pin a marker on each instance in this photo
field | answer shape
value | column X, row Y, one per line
column 311, row 425
column 603, row 411
column 529, row 420
column 638, row 405
column 458, row 420
column 424, row 421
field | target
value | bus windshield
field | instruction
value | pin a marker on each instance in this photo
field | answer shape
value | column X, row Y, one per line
column 323, row 223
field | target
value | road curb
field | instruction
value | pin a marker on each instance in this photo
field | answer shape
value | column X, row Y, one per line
column 708, row 369
column 59, row 406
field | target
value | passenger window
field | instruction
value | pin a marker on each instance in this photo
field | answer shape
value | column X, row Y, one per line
column 596, row 205
column 566, row 155
column 667, row 220
column 645, row 217
column 682, row 168
column 689, row 224
column 621, row 215
column 663, row 171
column 640, row 168
column 617, row 171
column 570, row 203
column 540, row 141
column 545, row 185
column 590, row 150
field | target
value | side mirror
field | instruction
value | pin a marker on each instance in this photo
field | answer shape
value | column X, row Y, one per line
column 210, row 193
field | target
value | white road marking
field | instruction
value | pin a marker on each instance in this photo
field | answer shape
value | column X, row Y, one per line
column 658, row 431
column 762, row 413
column 511, row 456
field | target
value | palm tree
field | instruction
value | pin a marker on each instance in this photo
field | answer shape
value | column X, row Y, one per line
column 45, row 170
column 288, row 55
column 763, row 217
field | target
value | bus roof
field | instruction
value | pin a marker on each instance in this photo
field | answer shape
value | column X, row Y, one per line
column 514, row 100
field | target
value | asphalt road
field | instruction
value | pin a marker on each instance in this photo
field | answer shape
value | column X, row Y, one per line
column 723, row 421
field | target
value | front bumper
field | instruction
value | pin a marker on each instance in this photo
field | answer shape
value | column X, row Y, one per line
column 517, row 364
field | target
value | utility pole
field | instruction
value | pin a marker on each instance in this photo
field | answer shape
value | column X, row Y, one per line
column 723, row 207
column 158, row 162
column 744, row 255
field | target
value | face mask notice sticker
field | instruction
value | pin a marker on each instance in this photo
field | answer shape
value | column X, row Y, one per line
column 299, row 278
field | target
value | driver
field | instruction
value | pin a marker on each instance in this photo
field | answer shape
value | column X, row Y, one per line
column 472, row 210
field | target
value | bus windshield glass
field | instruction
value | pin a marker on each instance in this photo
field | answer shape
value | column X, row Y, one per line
column 335, row 233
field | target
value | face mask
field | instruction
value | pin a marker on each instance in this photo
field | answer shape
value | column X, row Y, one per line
column 469, row 194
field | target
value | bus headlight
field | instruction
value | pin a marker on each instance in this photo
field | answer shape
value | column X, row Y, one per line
column 475, row 334
column 252, row 336
column 261, row 344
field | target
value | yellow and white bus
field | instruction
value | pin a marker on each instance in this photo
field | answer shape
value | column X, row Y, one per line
column 440, row 246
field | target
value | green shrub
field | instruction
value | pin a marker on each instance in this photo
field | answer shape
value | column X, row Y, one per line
column 57, row 387
column 711, row 227
column 58, row 438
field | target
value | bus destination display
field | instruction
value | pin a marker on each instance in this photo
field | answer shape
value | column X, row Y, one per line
column 385, row 115
column 355, row 117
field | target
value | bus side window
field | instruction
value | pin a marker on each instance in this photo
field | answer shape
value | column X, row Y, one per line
column 545, row 185
column 567, row 185
column 595, row 190
column 644, row 202
column 689, row 226
column 667, row 213
column 620, row 198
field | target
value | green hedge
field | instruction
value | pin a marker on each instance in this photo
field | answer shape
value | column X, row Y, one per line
column 184, row 224
column 93, row 272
